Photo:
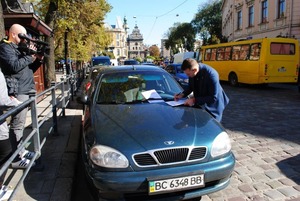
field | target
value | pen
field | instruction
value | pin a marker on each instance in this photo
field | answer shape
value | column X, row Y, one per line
column 179, row 93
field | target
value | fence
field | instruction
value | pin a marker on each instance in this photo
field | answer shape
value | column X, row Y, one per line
column 60, row 94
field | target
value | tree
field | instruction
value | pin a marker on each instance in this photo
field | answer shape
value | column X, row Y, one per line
column 80, row 22
column 181, row 35
column 154, row 51
column 208, row 22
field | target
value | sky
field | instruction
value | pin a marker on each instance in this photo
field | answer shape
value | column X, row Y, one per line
column 153, row 17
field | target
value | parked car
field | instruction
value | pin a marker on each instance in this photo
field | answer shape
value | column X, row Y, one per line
column 101, row 60
column 131, row 62
column 135, row 146
column 178, row 74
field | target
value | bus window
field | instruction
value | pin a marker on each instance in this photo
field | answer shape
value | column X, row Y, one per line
column 207, row 55
column 244, row 52
column 213, row 54
column 236, row 52
column 221, row 54
column 282, row 48
column 227, row 53
column 255, row 51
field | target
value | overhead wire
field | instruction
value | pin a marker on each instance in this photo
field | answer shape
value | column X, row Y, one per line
column 162, row 16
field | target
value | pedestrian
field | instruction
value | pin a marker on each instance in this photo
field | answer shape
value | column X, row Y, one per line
column 18, row 67
column 205, row 85
column 5, row 145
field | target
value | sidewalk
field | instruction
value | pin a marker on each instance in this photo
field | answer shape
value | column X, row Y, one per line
column 52, row 177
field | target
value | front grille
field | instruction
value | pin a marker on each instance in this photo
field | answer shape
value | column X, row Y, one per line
column 169, row 156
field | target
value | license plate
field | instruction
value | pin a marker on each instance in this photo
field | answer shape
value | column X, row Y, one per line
column 180, row 183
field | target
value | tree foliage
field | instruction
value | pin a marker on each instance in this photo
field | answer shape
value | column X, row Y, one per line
column 208, row 22
column 83, row 22
column 181, row 35
column 154, row 51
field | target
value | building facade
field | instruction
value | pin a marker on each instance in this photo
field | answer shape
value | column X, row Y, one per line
column 246, row 19
column 164, row 52
column 136, row 47
column 119, row 36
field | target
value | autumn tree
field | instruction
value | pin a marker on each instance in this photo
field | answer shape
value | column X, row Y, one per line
column 80, row 22
column 208, row 22
column 154, row 51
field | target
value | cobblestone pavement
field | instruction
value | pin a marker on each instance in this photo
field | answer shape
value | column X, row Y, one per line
column 264, row 126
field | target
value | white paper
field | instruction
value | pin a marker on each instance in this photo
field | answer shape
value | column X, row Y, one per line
column 152, row 94
column 176, row 103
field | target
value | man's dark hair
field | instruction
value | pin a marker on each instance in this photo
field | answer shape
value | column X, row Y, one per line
column 188, row 64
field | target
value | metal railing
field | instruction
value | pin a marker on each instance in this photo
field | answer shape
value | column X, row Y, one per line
column 60, row 94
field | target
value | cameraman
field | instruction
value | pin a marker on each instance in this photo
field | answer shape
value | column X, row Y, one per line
column 18, row 68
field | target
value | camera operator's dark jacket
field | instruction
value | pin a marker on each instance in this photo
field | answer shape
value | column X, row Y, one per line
column 18, row 65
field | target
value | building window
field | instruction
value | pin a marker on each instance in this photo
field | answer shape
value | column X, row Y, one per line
column 251, row 16
column 118, row 36
column 118, row 43
column 264, row 11
column 118, row 52
column 239, row 20
column 281, row 8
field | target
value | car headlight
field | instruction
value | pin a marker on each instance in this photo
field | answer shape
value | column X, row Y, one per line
column 221, row 145
column 107, row 157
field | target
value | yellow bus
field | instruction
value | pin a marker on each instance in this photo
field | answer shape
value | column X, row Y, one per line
column 256, row 61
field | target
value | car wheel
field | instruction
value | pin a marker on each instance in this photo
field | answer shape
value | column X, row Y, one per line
column 233, row 79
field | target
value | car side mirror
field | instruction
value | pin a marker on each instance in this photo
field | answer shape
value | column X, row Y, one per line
column 83, row 100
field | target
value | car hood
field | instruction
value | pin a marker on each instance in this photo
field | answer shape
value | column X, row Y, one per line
column 141, row 127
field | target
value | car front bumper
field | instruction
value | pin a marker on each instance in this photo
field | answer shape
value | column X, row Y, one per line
column 119, row 185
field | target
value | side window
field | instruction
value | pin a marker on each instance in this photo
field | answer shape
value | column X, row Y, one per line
column 213, row 54
column 221, row 54
column 236, row 52
column 255, row 51
column 244, row 52
column 207, row 55
column 227, row 53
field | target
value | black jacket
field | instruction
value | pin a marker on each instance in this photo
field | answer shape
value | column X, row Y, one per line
column 18, row 65
column 207, row 91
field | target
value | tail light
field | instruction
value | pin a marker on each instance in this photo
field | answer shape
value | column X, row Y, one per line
column 87, row 86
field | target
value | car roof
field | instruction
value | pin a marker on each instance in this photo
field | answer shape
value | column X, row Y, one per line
column 130, row 68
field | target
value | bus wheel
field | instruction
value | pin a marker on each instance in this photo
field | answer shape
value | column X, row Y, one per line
column 233, row 79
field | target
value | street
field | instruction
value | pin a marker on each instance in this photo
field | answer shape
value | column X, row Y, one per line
column 264, row 126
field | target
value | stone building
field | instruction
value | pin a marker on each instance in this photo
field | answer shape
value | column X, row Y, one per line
column 119, row 38
column 246, row 19
column 136, row 47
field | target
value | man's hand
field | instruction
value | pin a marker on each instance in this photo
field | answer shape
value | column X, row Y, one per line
column 178, row 96
column 190, row 102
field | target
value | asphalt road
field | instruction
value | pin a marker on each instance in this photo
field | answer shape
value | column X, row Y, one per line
column 264, row 126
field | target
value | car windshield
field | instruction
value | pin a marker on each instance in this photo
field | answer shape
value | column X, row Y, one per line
column 129, row 87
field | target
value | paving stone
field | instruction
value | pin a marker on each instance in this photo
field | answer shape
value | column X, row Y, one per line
column 246, row 188
column 289, row 192
column 274, row 195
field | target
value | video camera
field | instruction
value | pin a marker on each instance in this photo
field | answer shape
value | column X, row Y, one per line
column 42, row 48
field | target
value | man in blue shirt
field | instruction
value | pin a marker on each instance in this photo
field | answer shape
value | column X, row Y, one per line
column 206, row 88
